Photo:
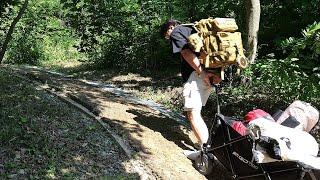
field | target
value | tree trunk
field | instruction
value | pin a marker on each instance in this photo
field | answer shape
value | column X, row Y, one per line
column 10, row 31
column 253, row 20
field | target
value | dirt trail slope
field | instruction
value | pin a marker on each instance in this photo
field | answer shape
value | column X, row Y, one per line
column 154, row 138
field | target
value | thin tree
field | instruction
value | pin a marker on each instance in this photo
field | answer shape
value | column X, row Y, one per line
column 253, row 20
column 11, row 29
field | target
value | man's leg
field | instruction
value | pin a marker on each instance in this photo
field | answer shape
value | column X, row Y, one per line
column 196, row 94
column 198, row 125
column 199, row 129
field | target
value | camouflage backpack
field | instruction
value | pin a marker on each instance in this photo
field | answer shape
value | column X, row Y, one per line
column 218, row 43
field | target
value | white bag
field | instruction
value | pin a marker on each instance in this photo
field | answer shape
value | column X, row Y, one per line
column 303, row 112
column 295, row 145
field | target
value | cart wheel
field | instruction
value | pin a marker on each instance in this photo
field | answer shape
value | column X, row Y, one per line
column 204, row 164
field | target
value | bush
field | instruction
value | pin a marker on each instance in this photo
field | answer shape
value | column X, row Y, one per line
column 285, row 81
column 42, row 38
column 298, row 75
column 305, row 51
column 25, row 50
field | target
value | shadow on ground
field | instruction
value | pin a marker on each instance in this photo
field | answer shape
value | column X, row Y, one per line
column 168, row 128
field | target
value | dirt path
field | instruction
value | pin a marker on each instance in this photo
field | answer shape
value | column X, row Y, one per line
column 153, row 138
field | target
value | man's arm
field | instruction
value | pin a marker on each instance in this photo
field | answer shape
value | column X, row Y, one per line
column 192, row 60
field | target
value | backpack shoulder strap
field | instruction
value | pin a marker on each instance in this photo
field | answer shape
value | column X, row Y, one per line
column 188, row 24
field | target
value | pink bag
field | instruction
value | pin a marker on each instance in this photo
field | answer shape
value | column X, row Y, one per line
column 303, row 112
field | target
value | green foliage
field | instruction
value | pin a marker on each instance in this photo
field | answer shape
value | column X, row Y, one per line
column 25, row 50
column 284, row 81
column 219, row 8
column 7, row 12
column 286, row 18
column 41, row 36
column 305, row 51
column 119, row 34
column 6, row 5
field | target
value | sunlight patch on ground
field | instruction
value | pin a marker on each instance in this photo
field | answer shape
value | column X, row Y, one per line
column 131, row 81
column 131, row 77
column 78, row 158
column 65, row 170
column 62, row 64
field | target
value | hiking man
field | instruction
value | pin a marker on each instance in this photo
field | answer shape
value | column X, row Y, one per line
column 197, row 85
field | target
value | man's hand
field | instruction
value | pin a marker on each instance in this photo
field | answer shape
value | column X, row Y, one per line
column 210, row 78
column 215, row 78
column 205, row 78
column 194, row 62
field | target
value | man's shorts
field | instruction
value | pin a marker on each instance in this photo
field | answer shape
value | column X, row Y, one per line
column 195, row 92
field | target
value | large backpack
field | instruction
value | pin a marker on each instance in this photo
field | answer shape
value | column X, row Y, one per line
column 218, row 43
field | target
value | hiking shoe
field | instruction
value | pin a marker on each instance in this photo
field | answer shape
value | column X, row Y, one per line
column 192, row 155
